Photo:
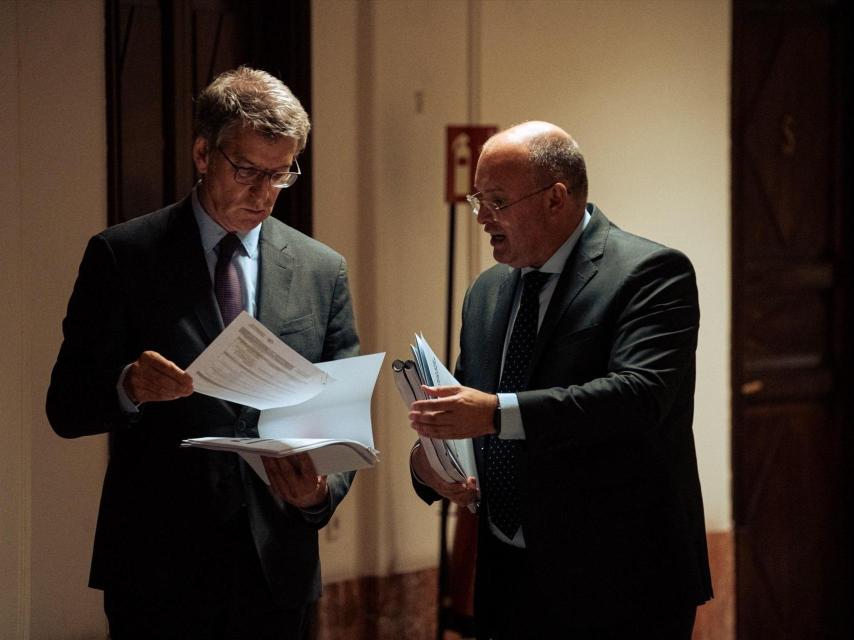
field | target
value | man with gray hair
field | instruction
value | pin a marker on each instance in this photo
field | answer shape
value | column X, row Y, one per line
column 190, row 543
column 576, row 374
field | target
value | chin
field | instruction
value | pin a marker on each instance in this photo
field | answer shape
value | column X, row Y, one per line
column 503, row 259
column 249, row 221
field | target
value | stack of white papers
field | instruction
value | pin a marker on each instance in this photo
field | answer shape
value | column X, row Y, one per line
column 321, row 409
column 452, row 460
column 328, row 455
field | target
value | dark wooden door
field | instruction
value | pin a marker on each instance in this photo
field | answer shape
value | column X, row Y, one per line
column 160, row 54
column 791, row 320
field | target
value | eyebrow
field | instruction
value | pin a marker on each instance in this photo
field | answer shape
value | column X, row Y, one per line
column 241, row 158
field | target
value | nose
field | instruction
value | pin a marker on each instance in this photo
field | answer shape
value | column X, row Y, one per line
column 485, row 214
column 264, row 184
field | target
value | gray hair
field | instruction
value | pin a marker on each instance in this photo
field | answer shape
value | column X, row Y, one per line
column 253, row 98
column 559, row 158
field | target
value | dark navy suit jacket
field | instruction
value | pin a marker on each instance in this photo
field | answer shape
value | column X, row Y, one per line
column 144, row 285
column 613, row 514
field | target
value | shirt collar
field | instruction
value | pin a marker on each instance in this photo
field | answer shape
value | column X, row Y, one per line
column 556, row 263
column 211, row 233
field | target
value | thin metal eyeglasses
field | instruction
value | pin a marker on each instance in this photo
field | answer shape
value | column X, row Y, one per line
column 475, row 201
column 250, row 175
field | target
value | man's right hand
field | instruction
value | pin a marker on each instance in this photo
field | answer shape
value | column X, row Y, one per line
column 461, row 493
column 153, row 378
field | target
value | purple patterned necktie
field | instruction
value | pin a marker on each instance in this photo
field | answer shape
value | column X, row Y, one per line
column 226, row 280
column 503, row 457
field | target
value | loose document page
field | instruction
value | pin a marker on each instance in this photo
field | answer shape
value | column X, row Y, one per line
column 321, row 409
column 248, row 364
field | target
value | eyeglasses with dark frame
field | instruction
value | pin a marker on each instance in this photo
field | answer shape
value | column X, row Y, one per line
column 476, row 202
column 250, row 175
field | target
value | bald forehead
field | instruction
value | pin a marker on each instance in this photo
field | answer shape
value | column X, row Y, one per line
column 502, row 149
column 523, row 134
column 500, row 156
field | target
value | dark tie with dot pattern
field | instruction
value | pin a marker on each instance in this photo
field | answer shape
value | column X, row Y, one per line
column 504, row 456
column 226, row 280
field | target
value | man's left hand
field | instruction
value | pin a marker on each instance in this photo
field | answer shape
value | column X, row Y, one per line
column 456, row 412
column 295, row 480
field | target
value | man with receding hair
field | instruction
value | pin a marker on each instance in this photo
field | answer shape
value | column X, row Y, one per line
column 576, row 371
column 190, row 543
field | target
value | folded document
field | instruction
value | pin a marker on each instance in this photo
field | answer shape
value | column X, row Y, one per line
column 321, row 409
column 327, row 454
column 452, row 460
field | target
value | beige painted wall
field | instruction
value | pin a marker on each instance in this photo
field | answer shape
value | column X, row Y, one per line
column 643, row 85
column 382, row 95
column 53, row 185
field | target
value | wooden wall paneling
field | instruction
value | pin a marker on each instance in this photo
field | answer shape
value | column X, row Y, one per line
column 790, row 306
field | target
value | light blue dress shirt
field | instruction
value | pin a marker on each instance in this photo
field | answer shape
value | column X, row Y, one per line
column 246, row 260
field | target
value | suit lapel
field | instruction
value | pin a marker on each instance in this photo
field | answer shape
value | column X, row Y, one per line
column 275, row 274
column 497, row 318
column 580, row 268
column 190, row 267
column 497, row 315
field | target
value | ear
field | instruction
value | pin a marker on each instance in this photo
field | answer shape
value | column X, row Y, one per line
column 558, row 198
column 201, row 155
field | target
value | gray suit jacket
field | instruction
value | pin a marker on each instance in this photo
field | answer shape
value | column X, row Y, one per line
column 144, row 285
column 613, row 515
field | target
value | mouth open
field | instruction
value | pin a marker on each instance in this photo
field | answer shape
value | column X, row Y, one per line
column 496, row 238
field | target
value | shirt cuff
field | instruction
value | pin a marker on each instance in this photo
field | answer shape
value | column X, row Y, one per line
column 125, row 403
column 511, row 417
column 317, row 513
column 411, row 467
